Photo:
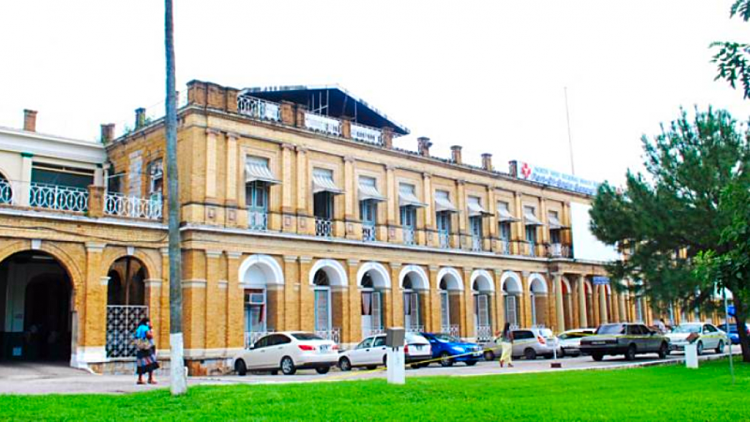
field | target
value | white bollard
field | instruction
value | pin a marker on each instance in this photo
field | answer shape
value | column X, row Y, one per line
column 691, row 356
column 396, row 365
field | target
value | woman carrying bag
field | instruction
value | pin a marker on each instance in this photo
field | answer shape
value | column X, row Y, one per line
column 146, row 351
column 506, row 344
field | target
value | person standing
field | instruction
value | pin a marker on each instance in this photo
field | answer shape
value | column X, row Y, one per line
column 146, row 351
column 506, row 346
column 661, row 326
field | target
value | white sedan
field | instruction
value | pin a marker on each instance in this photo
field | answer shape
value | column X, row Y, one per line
column 570, row 341
column 288, row 351
column 707, row 336
column 371, row 352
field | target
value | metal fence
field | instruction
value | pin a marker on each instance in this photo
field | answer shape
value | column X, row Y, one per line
column 260, row 109
column 257, row 220
column 122, row 321
column 450, row 329
column 484, row 333
column 323, row 227
column 323, row 124
column 63, row 198
column 333, row 334
column 368, row 233
column 132, row 206
column 6, row 192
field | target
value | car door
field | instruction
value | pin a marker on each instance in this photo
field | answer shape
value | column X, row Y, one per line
column 710, row 339
column 257, row 353
column 277, row 350
column 358, row 356
column 651, row 341
column 521, row 340
column 378, row 351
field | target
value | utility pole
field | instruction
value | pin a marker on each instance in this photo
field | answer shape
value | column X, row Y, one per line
column 178, row 378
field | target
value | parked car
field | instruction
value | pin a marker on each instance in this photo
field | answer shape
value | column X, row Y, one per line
column 288, row 352
column 734, row 334
column 570, row 341
column 706, row 336
column 451, row 349
column 624, row 339
column 372, row 352
column 533, row 342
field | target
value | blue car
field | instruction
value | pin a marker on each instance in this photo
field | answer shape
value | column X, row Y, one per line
column 734, row 335
column 450, row 349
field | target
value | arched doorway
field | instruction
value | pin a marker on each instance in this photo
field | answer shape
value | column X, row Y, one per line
column 450, row 287
column 35, row 308
column 482, row 290
column 126, row 305
column 373, row 283
column 328, row 279
column 511, row 286
column 415, row 285
column 262, row 278
column 538, row 296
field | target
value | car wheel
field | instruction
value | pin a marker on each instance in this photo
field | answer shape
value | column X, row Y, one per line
column 240, row 367
column 471, row 362
column 597, row 357
column 345, row 364
column 287, row 366
column 720, row 347
column 322, row 370
column 445, row 360
column 700, row 348
column 529, row 354
column 489, row 355
column 630, row 353
column 663, row 351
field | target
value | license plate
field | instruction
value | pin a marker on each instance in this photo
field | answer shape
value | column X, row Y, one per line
column 598, row 342
column 418, row 347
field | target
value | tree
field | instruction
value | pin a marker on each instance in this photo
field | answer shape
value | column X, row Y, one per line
column 681, row 218
column 177, row 366
column 733, row 59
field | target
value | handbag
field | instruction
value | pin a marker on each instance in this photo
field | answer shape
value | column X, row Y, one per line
column 142, row 344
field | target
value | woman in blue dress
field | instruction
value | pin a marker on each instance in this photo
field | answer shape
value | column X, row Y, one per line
column 146, row 351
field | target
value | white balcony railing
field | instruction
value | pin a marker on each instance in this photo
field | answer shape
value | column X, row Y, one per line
column 6, row 192
column 257, row 220
column 368, row 233
column 414, row 328
column 323, row 227
column 451, row 329
column 530, row 249
column 484, row 333
column 132, row 206
column 476, row 243
column 366, row 134
column 408, row 235
column 323, row 124
column 259, row 109
column 333, row 334
column 558, row 250
column 503, row 247
column 62, row 198
column 445, row 239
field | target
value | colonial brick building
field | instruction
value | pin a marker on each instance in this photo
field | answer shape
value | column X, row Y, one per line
column 298, row 213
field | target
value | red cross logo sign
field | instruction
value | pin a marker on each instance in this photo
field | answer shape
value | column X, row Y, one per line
column 525, row 170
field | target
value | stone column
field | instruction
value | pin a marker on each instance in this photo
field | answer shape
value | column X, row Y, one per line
column 603, row 317
column 153, row 301
column 392, row 202
column 21, row 189
column 468, row 329
column 463, row 235
column 526, row 319
column 235, row 306
column 396, row 308
column 288, row 202
column 233, row 171
column 305, row 222
column 434, row 316
column 518, row 230
column 212, row 316
column 499, row 301
column 582, row 318
column 94, row 319
column 211, row 144
column 429, row 228
column 306, row 299
column 352, row 330
column 614, row 306
column 559, row 309
column 621, row 305
column 490, row 226
column 291, row 293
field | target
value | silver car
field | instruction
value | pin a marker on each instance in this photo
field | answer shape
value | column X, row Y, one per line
column 570, row 341
column 533, row 342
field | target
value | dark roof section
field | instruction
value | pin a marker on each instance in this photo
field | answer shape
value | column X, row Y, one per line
column 330, row 100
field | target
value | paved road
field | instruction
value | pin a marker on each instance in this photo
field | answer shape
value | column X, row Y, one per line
column 59, row 379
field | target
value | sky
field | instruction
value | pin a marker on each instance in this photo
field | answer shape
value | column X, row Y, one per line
column 490, row 76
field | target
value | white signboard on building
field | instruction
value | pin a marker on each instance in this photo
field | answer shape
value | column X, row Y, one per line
column 585, row 245
column 526, row 171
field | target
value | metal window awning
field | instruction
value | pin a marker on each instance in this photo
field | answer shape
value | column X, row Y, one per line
column 555, row 224
column 324, row 183
column 476, row 210
column 257, row 171
column 369, row 192
column 531, row 219
column 505, row 216
column 444, row 205
column 408, row 199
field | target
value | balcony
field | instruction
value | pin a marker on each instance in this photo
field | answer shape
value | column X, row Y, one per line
column 409, row 235
column 257, row 220
column 503, row 247
column 259, row 109
column 366, row 134
column 530, row 249
column 323, row 227
column 60, row 198
column 476, row 243
column 119, row 205
column 368, row 233
column 558, row 250
column 445, row 239
column 322, row 124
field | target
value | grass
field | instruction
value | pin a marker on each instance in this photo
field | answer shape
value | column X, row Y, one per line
column 669, row 393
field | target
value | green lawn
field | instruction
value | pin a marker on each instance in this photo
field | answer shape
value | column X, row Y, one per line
column 670, row 393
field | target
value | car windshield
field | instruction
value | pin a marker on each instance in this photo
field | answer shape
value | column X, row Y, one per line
column 611, row 329
column 686, row 329
column 306, row 336
column 445, row 338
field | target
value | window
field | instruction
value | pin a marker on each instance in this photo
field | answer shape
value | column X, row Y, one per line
column 365, row 343
column 255, row 310
column 522, row 335
column 611, row 329
column 379, row 341
column 263, row 342
column 62, row 176
column 368, row 212
column 156, row 177
column 306, row 336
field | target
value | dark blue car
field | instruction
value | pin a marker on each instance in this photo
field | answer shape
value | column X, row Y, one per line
column 734, row 335
column 450, row 349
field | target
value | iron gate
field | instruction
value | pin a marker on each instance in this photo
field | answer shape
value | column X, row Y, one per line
column 122, row 321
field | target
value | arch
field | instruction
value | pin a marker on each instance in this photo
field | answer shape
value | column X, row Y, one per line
column 61, row 256
column 260, row 270
column 453, row 279
column 566, row 284
column 420, row 282
column 127, row 281
column 112, row 255
column 333, row 269
column 481, row 281
column 378, row 274
column 537, row 284
column 514, row 283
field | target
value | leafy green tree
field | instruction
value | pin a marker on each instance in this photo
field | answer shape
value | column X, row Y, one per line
column 733, row 59
column 683, row 217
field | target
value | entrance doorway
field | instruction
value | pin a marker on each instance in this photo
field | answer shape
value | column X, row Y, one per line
column 35, row 308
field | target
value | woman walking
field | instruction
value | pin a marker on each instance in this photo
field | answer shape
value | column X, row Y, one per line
column 146, row 353
column 505, row 340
